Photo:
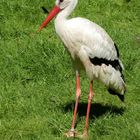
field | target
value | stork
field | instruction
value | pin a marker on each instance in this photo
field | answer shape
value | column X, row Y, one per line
column 91, row 49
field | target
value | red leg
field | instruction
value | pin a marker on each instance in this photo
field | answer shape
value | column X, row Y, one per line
column 85, row 134
column 71, row 132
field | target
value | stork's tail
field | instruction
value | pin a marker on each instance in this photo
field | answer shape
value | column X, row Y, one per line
column 113, row 78
column 120, row 88
column 113, row 92
column 120, row 68
column 110, row 73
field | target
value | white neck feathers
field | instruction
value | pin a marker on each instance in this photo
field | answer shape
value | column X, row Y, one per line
column 67, row 11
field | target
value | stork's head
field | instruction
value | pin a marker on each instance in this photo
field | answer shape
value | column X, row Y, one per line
column 60, row 5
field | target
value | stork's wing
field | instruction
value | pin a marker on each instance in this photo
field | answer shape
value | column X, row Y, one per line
column 96, row 42
column 99, row 43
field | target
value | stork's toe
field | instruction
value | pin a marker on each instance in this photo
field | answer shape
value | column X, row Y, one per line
column 71, row 133
column 84, row 135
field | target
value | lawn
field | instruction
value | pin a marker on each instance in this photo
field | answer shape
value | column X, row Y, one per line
column 37, row 81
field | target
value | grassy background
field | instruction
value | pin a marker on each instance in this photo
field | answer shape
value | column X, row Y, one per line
column 37, row 82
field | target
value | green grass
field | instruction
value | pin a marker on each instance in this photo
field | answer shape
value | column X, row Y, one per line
column 37, row 82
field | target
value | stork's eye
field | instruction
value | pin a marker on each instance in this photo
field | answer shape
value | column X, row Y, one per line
column 61, row 0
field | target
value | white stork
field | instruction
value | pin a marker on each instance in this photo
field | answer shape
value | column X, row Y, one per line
column 91, row 49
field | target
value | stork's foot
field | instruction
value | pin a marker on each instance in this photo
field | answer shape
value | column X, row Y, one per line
column 71, row 133
column 84, row 135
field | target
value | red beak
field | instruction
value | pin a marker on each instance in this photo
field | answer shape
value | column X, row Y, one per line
column 51, row 15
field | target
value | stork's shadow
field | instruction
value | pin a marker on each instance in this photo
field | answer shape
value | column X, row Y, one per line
column 97, row 109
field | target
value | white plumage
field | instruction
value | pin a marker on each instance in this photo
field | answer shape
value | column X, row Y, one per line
column 92, row 49
column 85, row 39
